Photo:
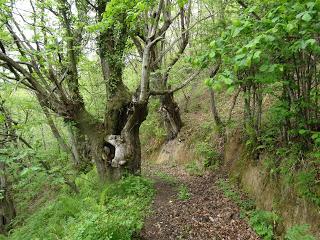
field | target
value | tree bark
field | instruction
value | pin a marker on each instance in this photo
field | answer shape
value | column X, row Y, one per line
column 118, row 154
column 214, row 109
column 7, row 209
column 131, row 133
column 80, row 151
column 170, row 113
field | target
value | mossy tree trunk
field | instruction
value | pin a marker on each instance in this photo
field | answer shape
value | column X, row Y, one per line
column 54, row 78
column 7, row 209
column 8, row 137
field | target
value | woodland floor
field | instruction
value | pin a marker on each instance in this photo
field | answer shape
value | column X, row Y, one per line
column 207, row 214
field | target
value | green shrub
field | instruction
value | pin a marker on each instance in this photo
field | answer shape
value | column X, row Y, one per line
column 115, row 211
column 263, row 223
column 210, row 157
column 184, row 193
column 194, row 169
column 307, row 184
column 299, row 232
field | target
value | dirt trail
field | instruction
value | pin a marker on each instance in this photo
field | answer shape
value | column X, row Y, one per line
column 207, row 214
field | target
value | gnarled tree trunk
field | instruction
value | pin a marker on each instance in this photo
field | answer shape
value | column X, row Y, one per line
column 116, row 154
column 170, row 113
column 80, row 150
column 130, row 133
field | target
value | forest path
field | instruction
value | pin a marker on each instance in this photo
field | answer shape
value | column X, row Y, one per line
column 205, row 214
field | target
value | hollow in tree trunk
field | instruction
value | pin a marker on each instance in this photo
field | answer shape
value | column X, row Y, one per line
column 116, row 154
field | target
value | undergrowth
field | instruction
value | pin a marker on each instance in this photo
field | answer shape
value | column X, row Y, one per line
column 299, row 232
column 113, row 211
column 167, row 178
column 211, row 158
column 295, row 169
column 263, row 222
column 194, row 168
column 184, row 193
column 152, row 130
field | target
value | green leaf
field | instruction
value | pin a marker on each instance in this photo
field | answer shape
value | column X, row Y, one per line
column 257, row 55
column 2, row 118
column 269, row 38
column 213, row 44
column 311, row 5
column 208, row 82
column 237, row 31
column 264, row 68
column 290, row 27
column 227, row 81
column 248, row 62
column 240, row 56
column 230, row 89
column 181, row 3
column 303, row 131
column 306, row 17
column 212, row 54
column 311, row 42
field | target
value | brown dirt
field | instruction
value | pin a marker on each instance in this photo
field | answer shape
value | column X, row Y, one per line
column 207, row 214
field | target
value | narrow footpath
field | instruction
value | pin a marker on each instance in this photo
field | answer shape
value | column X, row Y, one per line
column 204, row 213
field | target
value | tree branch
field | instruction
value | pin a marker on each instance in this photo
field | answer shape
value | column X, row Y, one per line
column 245, row 6
column 184, row 84
column 176, row 40
column 23, row 71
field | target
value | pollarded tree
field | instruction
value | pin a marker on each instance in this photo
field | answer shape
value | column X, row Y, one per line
column 164, row 56
column 47, row 63
column 44, row 59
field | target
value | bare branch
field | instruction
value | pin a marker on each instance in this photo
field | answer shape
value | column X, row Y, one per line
column 184, row 84
column 185, row 21
column 176, row 40
column 156, row 16
column 23, row 71
column 138, row 45
column 215, row 70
